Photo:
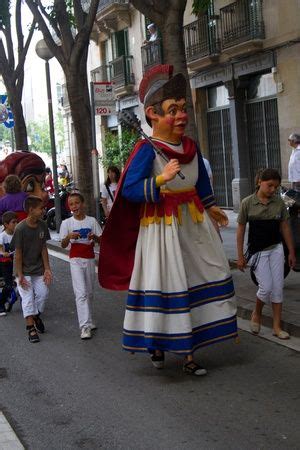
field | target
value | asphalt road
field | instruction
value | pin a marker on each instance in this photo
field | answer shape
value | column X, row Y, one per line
column 68, row 394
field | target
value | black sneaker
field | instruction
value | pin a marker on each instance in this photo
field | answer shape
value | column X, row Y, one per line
column 158, row 361
column 32, row 334
column 2, row 311
column 39, row 325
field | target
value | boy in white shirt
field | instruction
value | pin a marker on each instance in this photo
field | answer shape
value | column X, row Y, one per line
column 81, row 231
column 9, row 220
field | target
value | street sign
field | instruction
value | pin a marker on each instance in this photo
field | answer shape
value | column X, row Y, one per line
column 6, row 115
column 104, row 98
column 105, row 110
column 104, row 92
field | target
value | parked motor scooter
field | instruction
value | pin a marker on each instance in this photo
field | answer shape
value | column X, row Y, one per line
column 291, row 200
column 65, row 210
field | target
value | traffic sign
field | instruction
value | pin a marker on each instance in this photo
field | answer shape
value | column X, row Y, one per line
column 105, row 110
column 6, row 115
column 104, row 92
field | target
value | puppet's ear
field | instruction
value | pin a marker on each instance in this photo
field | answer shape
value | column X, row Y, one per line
column 150, row 113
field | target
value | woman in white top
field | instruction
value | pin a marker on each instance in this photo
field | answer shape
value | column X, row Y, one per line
column 109, row 188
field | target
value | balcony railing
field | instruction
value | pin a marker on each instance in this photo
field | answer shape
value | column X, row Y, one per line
column 201, row 38
column 241, row 21
column 104, row 3
column 101, row 73
column 121, row 71
column 151, row 54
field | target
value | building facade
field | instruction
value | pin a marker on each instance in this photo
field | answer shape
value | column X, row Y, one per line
column 243, row 59
column 244, row 63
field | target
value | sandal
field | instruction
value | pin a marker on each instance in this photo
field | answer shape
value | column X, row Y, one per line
column 39, row 325
column 191, row 368
column 32, row 334
column 157, row 360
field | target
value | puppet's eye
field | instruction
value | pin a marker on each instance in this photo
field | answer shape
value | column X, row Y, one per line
column 173, row 111
column 30, row 186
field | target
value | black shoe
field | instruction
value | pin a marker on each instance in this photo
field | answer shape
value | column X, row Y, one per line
column 158, row 361
column 191, row 368
column 2, row 310
column 32, row 334
column 39, row 325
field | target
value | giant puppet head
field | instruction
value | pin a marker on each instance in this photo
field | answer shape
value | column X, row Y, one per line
column 163, row 96
column 30, row 168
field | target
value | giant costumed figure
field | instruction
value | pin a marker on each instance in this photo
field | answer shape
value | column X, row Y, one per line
column 160, row 241
column 30, row 168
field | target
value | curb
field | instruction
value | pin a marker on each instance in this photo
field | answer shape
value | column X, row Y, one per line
column 245, row 308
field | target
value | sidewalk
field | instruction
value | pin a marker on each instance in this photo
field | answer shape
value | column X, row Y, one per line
column 245, row 289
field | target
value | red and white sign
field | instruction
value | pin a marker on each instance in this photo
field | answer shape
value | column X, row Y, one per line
column 104, row 92
column 105, row 110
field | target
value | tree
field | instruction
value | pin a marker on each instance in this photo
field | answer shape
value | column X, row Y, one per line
column 39, row 134
column 117, row 150
column 171, row 29
column 12, row 70
column 66, row 28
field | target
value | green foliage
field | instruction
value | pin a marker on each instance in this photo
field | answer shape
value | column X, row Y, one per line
column 116, row 152
column 200, row 6
column 5, row 133
column 39, row 135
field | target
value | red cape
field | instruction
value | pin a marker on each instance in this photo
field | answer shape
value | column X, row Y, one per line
column 118, row 241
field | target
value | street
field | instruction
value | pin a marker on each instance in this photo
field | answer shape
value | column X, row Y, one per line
column 67, row 394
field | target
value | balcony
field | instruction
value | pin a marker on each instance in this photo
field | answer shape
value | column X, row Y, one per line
column 110, row 13
column 101, row 73
column 122, row 75
column 202, row 44
column 151, row 54
column 242, row 26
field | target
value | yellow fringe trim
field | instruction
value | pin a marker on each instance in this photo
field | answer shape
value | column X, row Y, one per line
column 196, row 215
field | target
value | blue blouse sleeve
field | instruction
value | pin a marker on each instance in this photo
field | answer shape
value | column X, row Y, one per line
column 203, row 185
column 139, row 186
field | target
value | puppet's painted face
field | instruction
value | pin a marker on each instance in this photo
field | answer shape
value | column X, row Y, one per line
column 31, row 170
column 35, row 185
column 172, row 124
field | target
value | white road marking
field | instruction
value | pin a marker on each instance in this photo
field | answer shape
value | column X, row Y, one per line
column 8, row 438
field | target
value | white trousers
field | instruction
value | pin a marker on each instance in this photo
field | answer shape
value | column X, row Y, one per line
column 270, row 275
column 33, row 297
column 83, row 275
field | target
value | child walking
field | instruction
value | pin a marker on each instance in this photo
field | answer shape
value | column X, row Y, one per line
column 7, row 296
column 32, row 267
column 267, row 216
column 81, row 231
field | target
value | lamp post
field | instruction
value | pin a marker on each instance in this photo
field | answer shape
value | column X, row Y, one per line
column 44, row 53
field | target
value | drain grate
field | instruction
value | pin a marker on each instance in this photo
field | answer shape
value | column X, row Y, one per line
column 3, row 372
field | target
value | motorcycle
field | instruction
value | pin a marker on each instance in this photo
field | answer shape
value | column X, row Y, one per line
column 65, row 210
column 291, row 200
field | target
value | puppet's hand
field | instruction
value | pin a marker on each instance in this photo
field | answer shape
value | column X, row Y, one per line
column 171, row 169
column 218, row 216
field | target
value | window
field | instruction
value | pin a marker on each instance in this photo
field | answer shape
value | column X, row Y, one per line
column 217, row 96
column 261, row 86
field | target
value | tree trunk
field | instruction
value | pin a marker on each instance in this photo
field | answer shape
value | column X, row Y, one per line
column 77, row 87
column 20, row 130
column 168, row 16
